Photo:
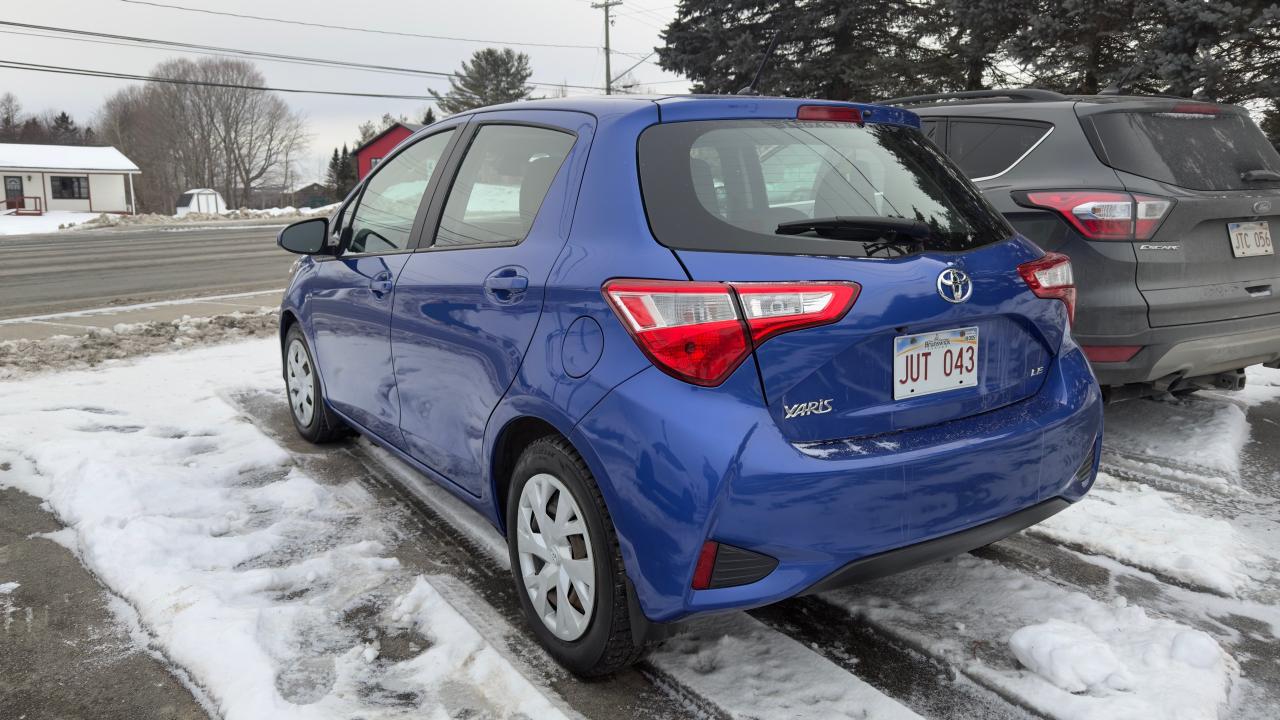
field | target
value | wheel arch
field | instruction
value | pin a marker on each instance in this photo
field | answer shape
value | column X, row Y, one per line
column 516, row 435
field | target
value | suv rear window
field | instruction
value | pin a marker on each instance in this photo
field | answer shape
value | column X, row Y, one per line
column 1193, row 150
column 726, row 185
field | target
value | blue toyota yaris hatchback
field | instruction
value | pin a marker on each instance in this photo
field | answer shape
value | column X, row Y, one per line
column 693, row 354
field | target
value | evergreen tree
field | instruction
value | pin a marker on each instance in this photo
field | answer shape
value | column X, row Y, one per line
column 63, row 130
column 492, row 76
column 430, row 117
column 827, row 48
column 333, row 176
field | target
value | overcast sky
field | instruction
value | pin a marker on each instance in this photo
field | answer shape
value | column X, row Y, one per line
column 331, row 120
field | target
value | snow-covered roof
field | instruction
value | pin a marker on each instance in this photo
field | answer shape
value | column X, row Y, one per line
column 64, row 157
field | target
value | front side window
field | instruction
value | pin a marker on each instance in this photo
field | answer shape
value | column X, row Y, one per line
column 69, row 187
column 756, row 185
column 383, row 218
column 501, row 184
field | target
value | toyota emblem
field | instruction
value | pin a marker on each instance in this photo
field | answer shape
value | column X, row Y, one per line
column 954, row 285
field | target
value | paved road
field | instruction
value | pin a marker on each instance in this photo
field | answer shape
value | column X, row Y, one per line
column 71, row 271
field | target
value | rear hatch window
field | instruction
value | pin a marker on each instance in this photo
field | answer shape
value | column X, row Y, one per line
column 1194, row 146
column 808, row 188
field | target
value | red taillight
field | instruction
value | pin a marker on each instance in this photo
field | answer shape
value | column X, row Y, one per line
column 1051, row 277
column 706, row 564
column 776, row 308
column 1111, row 353
column 1105, row 215
column 829, row 113
column 1194, row 109
column 694, row 331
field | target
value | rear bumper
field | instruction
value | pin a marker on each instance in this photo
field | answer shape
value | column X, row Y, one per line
column 895, row 561
column 680, row 464
column 1192, row 350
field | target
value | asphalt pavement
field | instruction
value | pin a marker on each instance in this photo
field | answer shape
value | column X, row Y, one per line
column 59, row 272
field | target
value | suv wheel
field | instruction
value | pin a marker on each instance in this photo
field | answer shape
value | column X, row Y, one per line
column 311, row 416
column 565, row 561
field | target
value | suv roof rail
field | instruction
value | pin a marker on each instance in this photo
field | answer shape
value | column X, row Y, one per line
column 1018, row 94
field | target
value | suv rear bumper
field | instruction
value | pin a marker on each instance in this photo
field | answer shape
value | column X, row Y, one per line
column 1187, row 351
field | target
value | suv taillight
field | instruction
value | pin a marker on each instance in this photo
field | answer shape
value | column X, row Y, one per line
column 1103, row 214
column 1051, row 277
column 700, row 332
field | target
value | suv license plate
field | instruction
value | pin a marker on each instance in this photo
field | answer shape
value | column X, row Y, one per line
column 1249, row 239
column 935, row 362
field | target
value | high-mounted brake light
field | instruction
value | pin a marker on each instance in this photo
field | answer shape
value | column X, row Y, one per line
column 1193, row 109
column 1050, row 277
column 829, row 113
column 695, row 331
column 1105, row 215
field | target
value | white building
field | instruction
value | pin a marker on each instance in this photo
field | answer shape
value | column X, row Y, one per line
column 66, row 177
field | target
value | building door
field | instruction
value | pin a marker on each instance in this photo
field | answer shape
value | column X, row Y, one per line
column 13, row 191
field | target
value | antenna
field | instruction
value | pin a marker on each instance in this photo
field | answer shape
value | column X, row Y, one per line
column 750, row 89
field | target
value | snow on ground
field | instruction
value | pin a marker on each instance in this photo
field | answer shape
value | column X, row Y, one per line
column 52, row 221
column 1130, row 664
column 1145, row 528
column 1203, row 431
column 273, row 591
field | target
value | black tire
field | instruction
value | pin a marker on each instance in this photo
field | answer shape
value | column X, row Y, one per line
column 323, row 426
column 608, row 644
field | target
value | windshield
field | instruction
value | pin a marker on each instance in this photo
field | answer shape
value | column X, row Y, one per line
column 1200, row 151
column 728, row 185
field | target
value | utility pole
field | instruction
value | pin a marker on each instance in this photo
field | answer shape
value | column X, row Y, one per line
column 608, row 71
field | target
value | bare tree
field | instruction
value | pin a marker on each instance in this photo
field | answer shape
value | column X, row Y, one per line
column 223, row 134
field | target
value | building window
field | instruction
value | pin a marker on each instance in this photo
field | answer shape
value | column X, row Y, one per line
column 69, row 188
column 373, row 162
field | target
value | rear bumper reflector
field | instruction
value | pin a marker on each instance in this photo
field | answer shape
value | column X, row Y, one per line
column 1111, row 353
column 722, row 566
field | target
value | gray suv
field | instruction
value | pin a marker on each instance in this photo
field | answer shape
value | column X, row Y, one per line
column 1165, row 206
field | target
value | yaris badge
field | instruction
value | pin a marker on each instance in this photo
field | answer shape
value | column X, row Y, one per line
column 954, row 285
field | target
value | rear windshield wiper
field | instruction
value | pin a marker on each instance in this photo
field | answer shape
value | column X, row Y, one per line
column 1260, row 176
column 860, row 227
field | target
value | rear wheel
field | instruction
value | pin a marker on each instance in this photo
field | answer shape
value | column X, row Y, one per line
column 311, row 416
column 566, row 563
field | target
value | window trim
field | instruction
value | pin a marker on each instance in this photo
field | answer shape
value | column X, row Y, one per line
column 951, row 121
column 428, row 244
column 53, row 187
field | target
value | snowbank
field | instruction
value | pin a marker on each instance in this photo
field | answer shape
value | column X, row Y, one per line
column 1143, row 527
column 1208, row 431
column 152, row 219
column 123, row 340
column 275, row 592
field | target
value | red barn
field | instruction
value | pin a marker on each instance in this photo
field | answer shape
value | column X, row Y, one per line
column 369, row 154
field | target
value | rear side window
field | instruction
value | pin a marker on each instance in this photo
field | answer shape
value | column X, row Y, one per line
column 729, row 184
column 1200, row 151
column 501, row 184
column 985, row 149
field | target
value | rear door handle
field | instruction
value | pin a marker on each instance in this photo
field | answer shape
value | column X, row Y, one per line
column 510, row 283
column 507, row 285
column 381, row 284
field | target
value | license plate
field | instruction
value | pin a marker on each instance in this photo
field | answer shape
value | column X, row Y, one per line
column 1249, row 239
column 935, row 362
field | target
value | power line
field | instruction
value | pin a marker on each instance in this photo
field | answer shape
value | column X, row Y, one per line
column 60, row 70
column 105, row 38
column 376, row 31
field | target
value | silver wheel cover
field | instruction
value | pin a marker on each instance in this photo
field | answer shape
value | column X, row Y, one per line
column 301, row 383
column 553, row 546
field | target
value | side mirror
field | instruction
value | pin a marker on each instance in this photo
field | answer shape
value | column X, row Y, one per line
column 305, row 237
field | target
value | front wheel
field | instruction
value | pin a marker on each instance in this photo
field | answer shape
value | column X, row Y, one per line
column 566, row 563
column 313, row 419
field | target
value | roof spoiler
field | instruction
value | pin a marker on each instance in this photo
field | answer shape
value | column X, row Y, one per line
column 1016, row 94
